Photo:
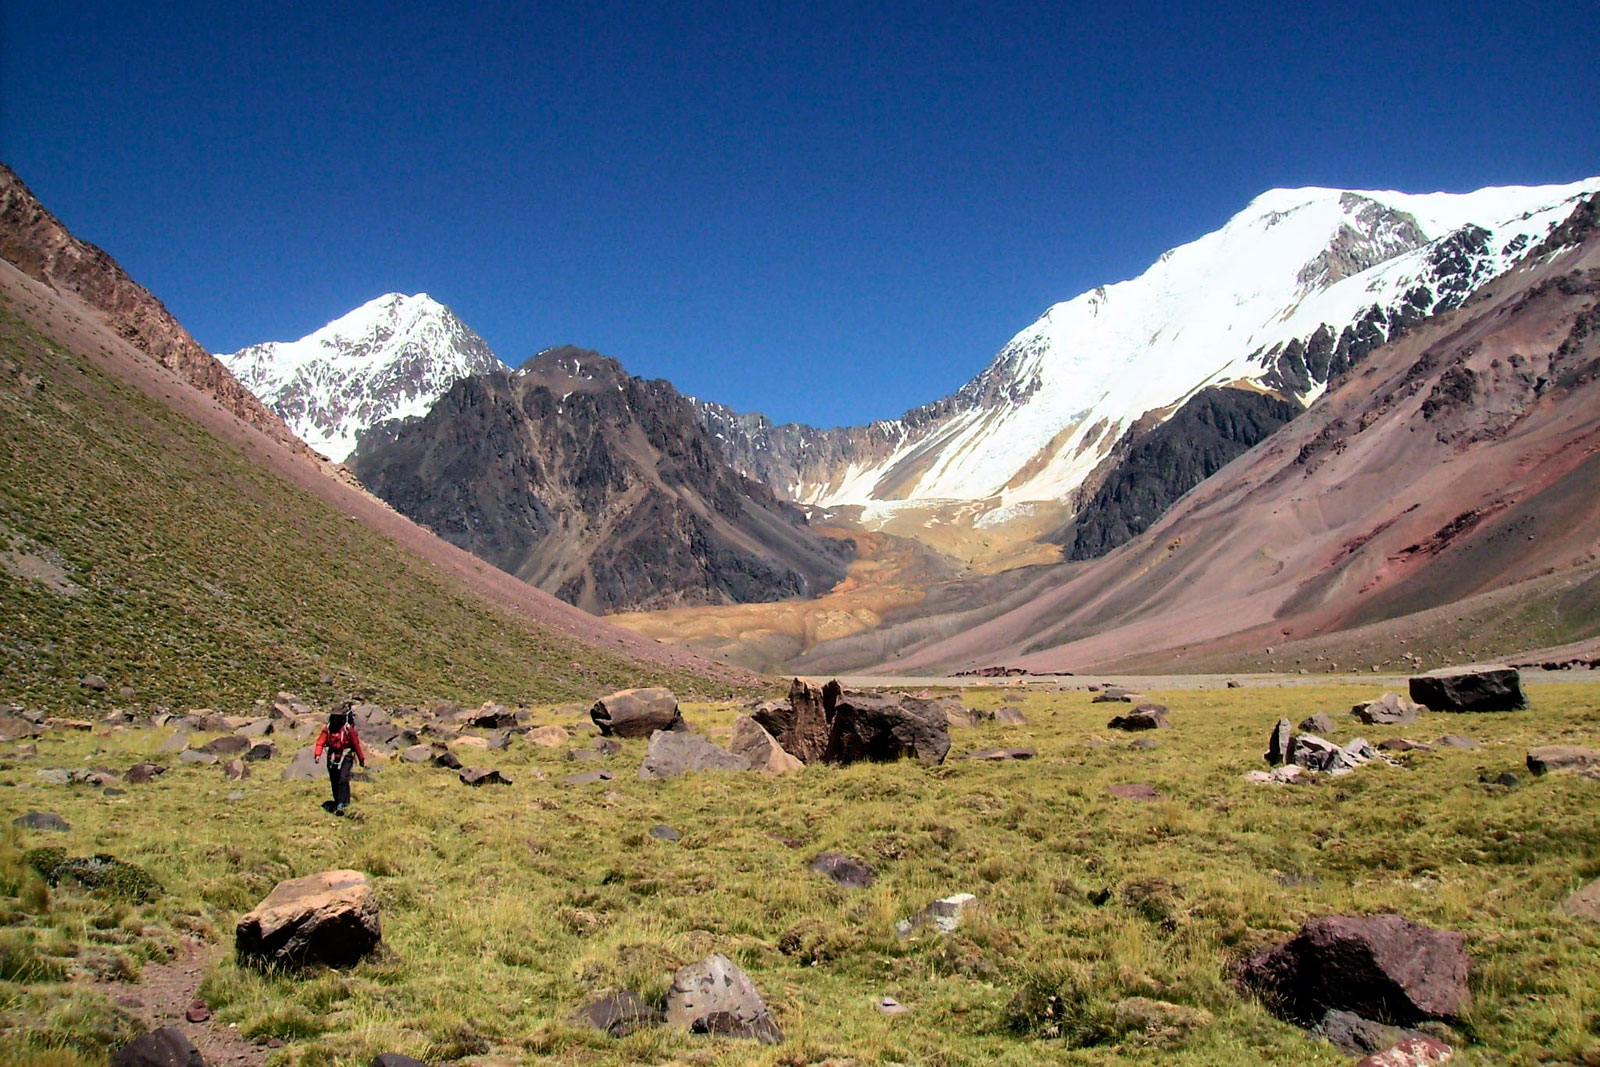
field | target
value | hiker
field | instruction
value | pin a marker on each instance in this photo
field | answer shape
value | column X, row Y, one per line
column 339, row 737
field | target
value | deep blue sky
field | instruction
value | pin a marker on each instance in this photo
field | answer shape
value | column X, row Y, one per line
column 824, row 211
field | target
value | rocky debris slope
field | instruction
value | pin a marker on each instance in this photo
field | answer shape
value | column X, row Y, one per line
column 596, row 486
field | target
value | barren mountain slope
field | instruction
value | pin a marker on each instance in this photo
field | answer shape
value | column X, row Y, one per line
column 1463, row 459
column 597, row 486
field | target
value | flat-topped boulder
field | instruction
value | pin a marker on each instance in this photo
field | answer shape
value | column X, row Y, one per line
column 327, row 918
column 1495, row 687
column 1564, row 759
column 674, row 752
column 637, row 712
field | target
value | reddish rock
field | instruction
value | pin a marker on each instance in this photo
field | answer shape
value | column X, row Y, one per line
column 1412, row 1052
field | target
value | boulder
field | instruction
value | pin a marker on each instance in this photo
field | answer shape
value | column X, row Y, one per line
column 843, row 870
column 1391, row 709
column 1355, row 1036
column 663, row 832
column 490, row 717
column 715, row 997
column 1278, row 743
column 1380, row 967
column 477, row 776
column 1008, row 716
column 1564, row 759
column 1320, row 723
column 14, row 727
column 166, row 1047
column 416, row 754
column 620, row 1015
column 1114, row 694
column 759, row 748
column 236, row 770
column 548, row 737
column 1002, row 754
column 1401, row 744
column 143, row 773
column 329, row 918
column 944, row 915
column 675, row 752
column 1456, row 741
column 194, row 755
column 1490, row 688
column 956, row 714
column 637, row 713
column 394, row 1059
column 1584, row 903
column 303, row 768
column 41, row 820
column 803, row 725
column 448, row 760
column 606, row 747
column 263, row 751
column 1145, row 717
column 879, row 727
column 1317, row 754
column 588, row 777
column 1418, row 1051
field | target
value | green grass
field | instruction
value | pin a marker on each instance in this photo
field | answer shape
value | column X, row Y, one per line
column 506, row 909
column 205, row 579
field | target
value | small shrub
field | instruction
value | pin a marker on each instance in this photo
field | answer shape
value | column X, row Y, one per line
column 117, row 879
column 23, row 963
column 1061, row 1004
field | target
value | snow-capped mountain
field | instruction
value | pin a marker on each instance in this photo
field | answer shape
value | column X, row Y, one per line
column 1289, row 293
column 389, row 358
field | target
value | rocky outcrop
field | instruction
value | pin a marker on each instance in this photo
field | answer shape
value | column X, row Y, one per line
column 829, row 724
column 1492, row 688
column 39, row 245
column 760, row 749
column 597, row 486
column 328, row 918
column 1380, row 967
column 637, row 712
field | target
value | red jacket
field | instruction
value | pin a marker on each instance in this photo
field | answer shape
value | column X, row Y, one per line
column 338, row 741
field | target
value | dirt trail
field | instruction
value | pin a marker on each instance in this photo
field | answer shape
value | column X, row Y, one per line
column 162, row 996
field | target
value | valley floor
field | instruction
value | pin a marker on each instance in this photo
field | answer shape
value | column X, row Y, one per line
column 506, row 909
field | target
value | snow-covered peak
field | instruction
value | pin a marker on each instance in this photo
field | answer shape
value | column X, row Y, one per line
column 1221, row 308
column 389, row 358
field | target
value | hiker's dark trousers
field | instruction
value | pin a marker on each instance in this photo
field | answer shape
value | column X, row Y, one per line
column 339, row 777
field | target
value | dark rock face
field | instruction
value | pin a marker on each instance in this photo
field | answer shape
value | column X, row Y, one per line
column 394, row 1059
column 844, row 871
column 637, row 713
column 1380, row 967
column 1493, row 688
column 599, row 487
column 1355, row 1036
column 480, row 776
column 833, row 725
column 675, row 752
column 166, row 1047
column 1320, row 723
column 1145, row 717
column 1158, row 466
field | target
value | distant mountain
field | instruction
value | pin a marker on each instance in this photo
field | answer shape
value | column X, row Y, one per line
column 597, row 486
column 1289, row 294
column 389, row 358
column 1438, row 504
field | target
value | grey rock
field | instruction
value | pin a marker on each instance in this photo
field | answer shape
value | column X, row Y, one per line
column 326, row 918
column 663, row 832
column 1355, row 1036
column 1391, row 709
column 843, row 870
column 41, row 820
column 714, row 996
column 674, row 752
column 302, row 768
column 760, row 749
column 142, row 773
column 166, row 1047
column 1008, row 716
column 1145, row 717
column 194, row 755
column 1456, row 741
column 1320, row 723
column 1564, row 759
column 588, row 777
column 258, row 752
column 1002, row 754
column 620, row 1015
column 1278, row 743
column 416, row 754
column 478, row 776
column 1584, row 903
column 394, row 1059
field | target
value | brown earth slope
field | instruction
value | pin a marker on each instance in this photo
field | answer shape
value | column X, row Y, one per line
column 1457, row 464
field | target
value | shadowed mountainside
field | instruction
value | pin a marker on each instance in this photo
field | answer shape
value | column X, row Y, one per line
column 597, row 486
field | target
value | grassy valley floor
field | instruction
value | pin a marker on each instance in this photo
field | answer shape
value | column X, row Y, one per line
column 505, row 909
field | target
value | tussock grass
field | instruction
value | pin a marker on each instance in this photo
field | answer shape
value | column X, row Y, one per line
column 192, row 575
column 507, row 909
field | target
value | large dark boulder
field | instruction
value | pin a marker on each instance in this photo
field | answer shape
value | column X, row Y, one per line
column 166, row 1047
column 801, row 726
column 1492, row 688
column 829, row 724
column 1144, row 717
column 1381, row 967
column 637, row 713
column 329, row 918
